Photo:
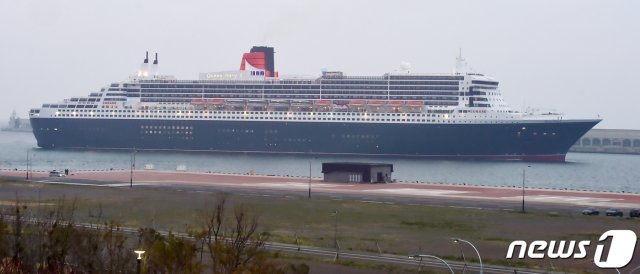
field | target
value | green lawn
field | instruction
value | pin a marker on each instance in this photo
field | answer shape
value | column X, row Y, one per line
column 395, row 228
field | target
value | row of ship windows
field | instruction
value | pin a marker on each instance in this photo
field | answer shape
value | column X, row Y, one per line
column 341, row 79
column 174, row 137
column 425, row 77
column 233, row 117
column 293, row 93
column 233, row 131
column 275, row 90
column 303, row 85
column 325, row 96
column 536, row 134
column 84, row 99
column 404, row 119
column 483, row 91
column 257, row 112
column 308, row 119
column 389, row 82
column 440, row 90
column 69, row 106
column 426, row 101
column 167, row 132
column 200, row 112
column 252, row 118
column 487, row 88
column 167, row 127
column 492, row 83
column 314, row 87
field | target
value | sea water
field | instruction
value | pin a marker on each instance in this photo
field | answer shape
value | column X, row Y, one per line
column 584, row 171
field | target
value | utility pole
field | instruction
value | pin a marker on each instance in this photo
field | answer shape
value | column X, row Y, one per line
column 27, row 164
column 309, row 179
column 523, row 173
column 523, row 180
column 132, row 166
column 335, row 233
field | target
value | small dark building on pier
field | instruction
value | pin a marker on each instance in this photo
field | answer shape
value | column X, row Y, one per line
column 357, row 172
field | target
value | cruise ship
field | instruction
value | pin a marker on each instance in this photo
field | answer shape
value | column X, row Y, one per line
column 458, row 115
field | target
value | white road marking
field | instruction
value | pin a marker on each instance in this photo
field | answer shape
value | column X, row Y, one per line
column 418, row 192
column 290, row 185
column 373, row 202
column 88, row 184
column 126, row 184
column 562, row 199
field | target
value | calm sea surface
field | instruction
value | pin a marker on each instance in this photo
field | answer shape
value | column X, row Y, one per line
column 581, row 171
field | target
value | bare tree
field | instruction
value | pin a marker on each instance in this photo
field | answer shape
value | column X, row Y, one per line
column 4, row 237
column 234, row 243
column 14, row 264
column 52, row 242
column 18, row 226
column 115, row 247
column 58, row 242
column 246, row 243
column 214, row 233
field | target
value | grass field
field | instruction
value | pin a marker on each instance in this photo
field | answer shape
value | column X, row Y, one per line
column 363, row 226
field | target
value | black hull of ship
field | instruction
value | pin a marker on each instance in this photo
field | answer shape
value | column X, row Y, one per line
column 531, row 141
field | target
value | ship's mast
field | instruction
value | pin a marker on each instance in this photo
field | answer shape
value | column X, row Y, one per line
column 461, row 64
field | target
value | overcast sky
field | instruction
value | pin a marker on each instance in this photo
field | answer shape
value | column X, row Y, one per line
column 578, row 57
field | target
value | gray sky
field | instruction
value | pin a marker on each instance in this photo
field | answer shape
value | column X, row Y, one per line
column 579, row 57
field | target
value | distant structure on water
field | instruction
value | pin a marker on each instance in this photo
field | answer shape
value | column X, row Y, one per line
column 18, row 124
column 621, row 141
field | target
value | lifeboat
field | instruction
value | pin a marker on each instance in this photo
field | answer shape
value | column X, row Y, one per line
column 357, row 102
column 375, row 103
column 207, row 101
column 301, row 103
column 323, row 102
column 396, row 103
column 234, row 102
column 278, row 102
column 257, row 102
column 415, row 103
column 215, row 101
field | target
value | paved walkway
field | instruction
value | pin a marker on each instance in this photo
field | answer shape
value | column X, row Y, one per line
column 415, row 190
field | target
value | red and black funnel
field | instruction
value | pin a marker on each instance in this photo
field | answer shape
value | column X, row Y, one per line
column 260, row 58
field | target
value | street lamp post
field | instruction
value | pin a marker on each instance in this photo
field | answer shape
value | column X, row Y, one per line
column 464, row 259
column 335, row 233
column 310, row 179
column 132, row 165
column 33, row 156
column 139, row 258
column 27, row 164
column 430, row 257
column 456, row 240
column 523, row 180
